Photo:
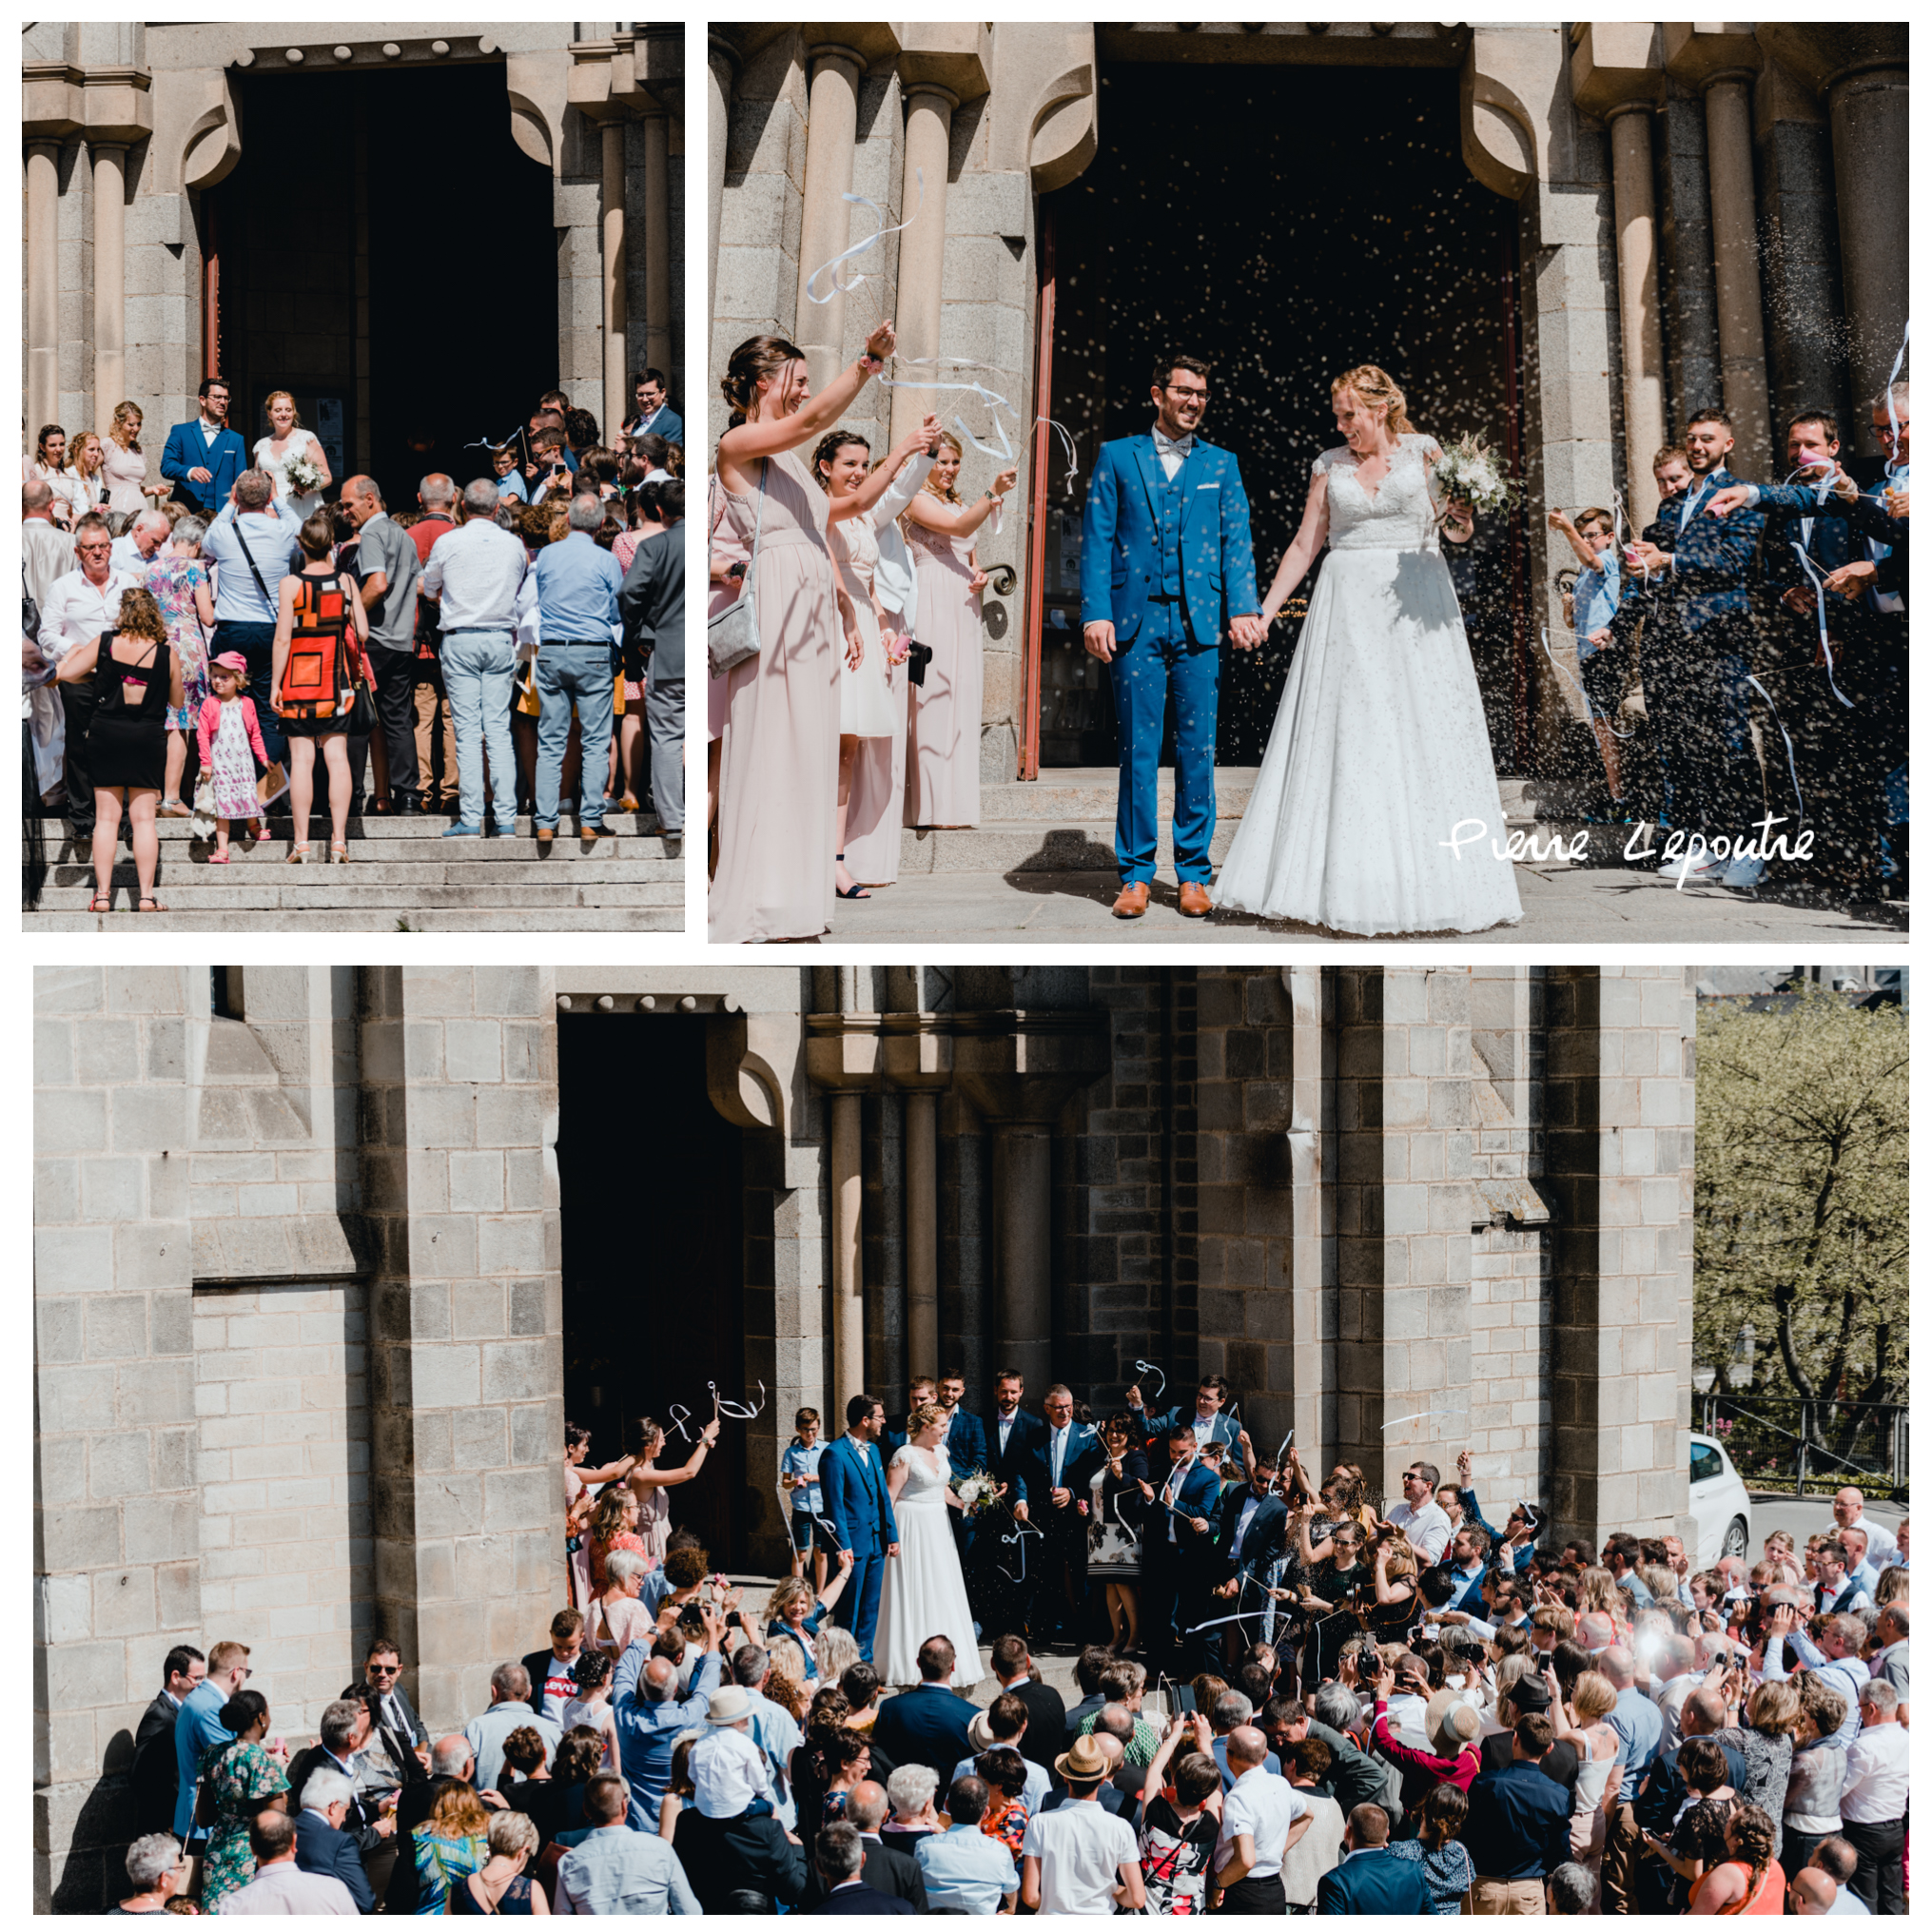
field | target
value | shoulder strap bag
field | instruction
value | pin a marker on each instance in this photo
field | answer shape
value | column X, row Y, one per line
column 253, row 568
column 732, row 635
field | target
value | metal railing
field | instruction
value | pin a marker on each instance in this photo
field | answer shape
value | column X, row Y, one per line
column 1792, row 1443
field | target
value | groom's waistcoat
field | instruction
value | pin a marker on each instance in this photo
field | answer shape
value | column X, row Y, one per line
column 1169, row 499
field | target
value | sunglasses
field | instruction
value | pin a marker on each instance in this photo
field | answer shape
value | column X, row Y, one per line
column 385, row 1669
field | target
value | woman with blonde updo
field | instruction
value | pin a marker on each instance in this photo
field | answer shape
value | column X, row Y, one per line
column 1376, row 808
column 286, row 440
column 124, row 466
column 925, row 1592
column 943, row 734
column 779, row 742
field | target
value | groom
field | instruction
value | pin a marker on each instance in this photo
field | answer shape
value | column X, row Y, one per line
column 851, row 1475
column 1165, row 559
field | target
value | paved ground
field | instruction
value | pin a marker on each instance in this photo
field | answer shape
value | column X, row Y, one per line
column 1566, row 905
column 1808, row 1518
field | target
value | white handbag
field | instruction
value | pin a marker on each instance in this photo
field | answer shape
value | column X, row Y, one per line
column 732, row 635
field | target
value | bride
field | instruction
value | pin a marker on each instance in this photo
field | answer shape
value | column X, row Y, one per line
column 1379, row 752
column 274, row 453
column 924, row 1593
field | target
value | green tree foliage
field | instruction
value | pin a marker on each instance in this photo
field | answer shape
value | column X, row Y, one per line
column 1803, row 1132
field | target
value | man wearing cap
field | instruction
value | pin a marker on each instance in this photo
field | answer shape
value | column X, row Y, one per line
column 1261, row 1816
column 1080, row 1858
column 726, row 1769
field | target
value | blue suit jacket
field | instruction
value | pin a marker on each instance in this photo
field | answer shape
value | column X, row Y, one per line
column 667, row 423
column 966, row 1443
column 1197, row 1495
column 1374, row 1881
column 1712, row 576
column 321, row 1848
column 1023, row 1466
column 1836, row 528
column 1223, row 1430
column 924, row 1727
column 186, row 451
column 856, row 1497
column 1120, row 547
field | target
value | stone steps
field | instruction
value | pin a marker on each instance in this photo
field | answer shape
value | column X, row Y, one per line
column 401, row 874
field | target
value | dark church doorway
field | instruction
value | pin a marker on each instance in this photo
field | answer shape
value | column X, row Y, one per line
column 1283, row 223
column 653, row 1254
column 382, row 251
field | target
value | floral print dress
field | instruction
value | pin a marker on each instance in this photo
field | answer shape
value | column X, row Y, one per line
column 173, row 580
column 241, row 1776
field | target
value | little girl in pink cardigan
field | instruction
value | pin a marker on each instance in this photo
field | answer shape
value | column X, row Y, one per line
column 230, row 741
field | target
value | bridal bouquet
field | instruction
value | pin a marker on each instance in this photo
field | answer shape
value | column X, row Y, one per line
column 305, row 473
column 978, row 1492
column 1470, row 472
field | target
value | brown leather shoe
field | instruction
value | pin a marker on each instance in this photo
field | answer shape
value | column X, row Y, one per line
column 1195, row 904
column 1133, row 900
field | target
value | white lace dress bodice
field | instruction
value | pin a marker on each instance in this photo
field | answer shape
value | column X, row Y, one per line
column 928, row 1473
column 1397, row 514
column 301, row 443
column 1378, row 762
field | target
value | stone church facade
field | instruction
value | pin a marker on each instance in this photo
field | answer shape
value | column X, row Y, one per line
column 316, row 1273
column 1700, row 208
column 127, row 126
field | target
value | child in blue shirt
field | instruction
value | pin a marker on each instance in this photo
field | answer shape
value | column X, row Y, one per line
column 1599, row 588
column 798, row 1473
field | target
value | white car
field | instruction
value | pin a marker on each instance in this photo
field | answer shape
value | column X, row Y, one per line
column 1719, row 1502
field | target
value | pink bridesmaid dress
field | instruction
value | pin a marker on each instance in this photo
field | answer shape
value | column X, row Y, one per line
column 943, row 736
column 778, row 769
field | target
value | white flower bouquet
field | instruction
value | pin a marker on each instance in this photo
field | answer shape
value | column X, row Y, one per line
column 978, row 1492
column 1470, row 472
column 305, row 473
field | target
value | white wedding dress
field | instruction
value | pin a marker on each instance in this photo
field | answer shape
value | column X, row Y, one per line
column 1379, row 752
column 924, row 1595
column 301, row 443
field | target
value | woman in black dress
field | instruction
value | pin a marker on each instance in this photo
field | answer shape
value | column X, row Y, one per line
column 321, row 598
column 136, row 677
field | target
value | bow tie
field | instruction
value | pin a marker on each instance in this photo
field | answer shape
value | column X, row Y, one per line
column 1167, row 446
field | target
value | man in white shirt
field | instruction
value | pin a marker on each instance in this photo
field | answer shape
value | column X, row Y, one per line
column 1419, row 1516
column 1069, row 1469
column 1881, row 1547
column 1875, row 1799
column 1080, row 1857
column 279, row 1888
column 140, row 543
column 1677, row 1677
column 1836, row 1589
column 1262, row 1815
column 475, row 572
column 83, row 604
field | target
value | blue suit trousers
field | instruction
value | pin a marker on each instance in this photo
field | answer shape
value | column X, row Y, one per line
column 862, row 1597
column 1161, row 656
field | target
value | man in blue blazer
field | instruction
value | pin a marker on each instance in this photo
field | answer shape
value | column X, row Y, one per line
column 851, row 1473
column 1207, row 1416
column 654, row 415
column 204, row 458
column 320, row 1843
column 1177, row 1557
column 1370, row 1879
column 965, row 1436
column 1697, row 659
column 1015, row 1446
column 927, row 1723
column 1166, row 565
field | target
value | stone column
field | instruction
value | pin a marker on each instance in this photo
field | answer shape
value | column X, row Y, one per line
column 921, row 1234
column 1642, row 330
column 1620, row 1108
column 617, row 383
column 831, row 127
column 1734, row 252
column 43, row 283
column 717, row 130
column 1870, row 140
column 110, row 276
column 657, row 251
column 847, row 1272
column 459, row 1110
column 117, row 1560
column 922, row 247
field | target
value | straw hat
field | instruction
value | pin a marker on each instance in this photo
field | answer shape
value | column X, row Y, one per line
column 1452, row 1725
column 1083, row 1763
column 733, row 1705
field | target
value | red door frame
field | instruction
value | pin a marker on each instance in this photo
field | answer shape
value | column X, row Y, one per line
column 1520, row 536
column 1036, row 506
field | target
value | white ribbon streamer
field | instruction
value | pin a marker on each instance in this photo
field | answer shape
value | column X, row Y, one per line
column 1142, row 1368
column 679, row 1417
column 738, row 1411
column 1421, row 1413
column 1811, row 570
column 1891, row 412
column 1790, row 756
column 858, row 248
column 1019, row 1534
column 1589, row 707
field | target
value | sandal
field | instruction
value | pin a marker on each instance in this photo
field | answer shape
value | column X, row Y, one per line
column 221, row 858
column 339, row 855
column 98, row 904
column 261, row 832
column 298, row 855
column 857, row 892
column 150, row 906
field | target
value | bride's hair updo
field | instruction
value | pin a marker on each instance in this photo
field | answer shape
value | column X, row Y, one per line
column 274, row 396
column 923, row 1417
column 1377, row 389
column 751, row 364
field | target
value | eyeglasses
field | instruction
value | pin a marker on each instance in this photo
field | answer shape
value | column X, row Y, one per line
column 385, row 1669
column 1175, row 389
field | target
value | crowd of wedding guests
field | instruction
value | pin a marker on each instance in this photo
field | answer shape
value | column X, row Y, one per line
column 858, row 713
column 1508, row 1724
column 225, row 643
column 1725, row 587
